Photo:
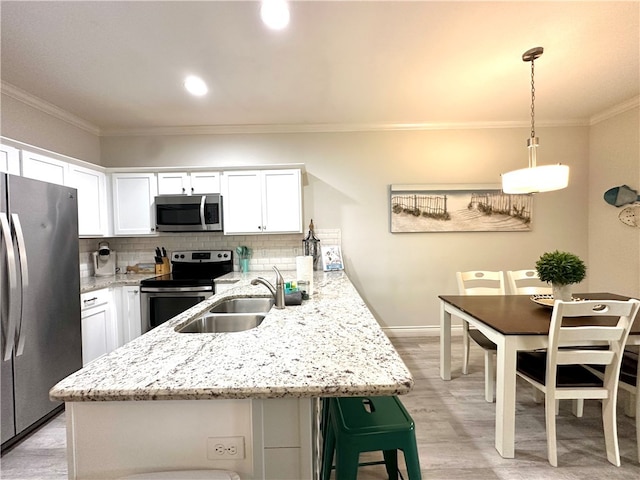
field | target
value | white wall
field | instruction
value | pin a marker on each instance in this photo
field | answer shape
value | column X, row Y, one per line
column 346, row 187
column 19, row 121
column 614, row 248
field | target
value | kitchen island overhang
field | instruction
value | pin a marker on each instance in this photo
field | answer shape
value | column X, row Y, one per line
column 329, row 346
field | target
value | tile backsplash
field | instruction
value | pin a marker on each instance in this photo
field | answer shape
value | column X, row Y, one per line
column 267, row 250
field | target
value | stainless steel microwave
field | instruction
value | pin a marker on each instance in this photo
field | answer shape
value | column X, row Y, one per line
column 189, row 213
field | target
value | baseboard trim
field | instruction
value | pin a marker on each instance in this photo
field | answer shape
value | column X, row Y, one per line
column 424, row 331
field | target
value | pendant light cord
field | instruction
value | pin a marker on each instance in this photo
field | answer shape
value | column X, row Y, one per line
column 533, row 97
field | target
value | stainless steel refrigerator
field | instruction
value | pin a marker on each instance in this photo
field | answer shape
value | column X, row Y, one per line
column 39, row 299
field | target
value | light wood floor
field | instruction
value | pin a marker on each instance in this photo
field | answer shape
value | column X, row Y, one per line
column 454, row 426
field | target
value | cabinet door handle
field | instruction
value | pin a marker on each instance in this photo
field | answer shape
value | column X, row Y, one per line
column 90, row 300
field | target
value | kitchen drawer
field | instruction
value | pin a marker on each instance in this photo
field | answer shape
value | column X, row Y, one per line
column 94, row 298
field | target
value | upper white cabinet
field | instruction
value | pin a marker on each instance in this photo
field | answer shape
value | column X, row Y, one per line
column 9, row 160
column 133, row 200
column 188, row 183
column 262, row 201
column 92, row 200
column 40, row 167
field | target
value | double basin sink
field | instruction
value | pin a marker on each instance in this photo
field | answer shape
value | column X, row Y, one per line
column 232, row 315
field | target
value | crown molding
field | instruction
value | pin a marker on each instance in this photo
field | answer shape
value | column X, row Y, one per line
column 46, row 107
column 328, row 128
column 57, row 112
column 615, row 110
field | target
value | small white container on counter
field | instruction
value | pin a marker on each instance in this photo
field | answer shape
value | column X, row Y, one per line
column 304, row 273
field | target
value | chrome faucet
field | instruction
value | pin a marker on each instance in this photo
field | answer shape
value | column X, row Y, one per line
column 277, row 292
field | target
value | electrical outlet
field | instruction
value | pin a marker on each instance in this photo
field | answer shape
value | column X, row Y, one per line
column 225, row 448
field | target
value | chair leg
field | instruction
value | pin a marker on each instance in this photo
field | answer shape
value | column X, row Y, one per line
column 538, row 396
column 630, row 409
column 637, row 412
column 346, row 464
column 412, row 461
column 610, row 429
column 391, row 463
column 550, row 418
column 578, row 407
column 488, row 375
column 465, row 347
column 328, row 450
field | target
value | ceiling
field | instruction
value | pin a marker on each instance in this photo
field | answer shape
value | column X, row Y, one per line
column 119, row 65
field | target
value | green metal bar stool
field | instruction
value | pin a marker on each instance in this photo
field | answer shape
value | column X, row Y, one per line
column 367, row 424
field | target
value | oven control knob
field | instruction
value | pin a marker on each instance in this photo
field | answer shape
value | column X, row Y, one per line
column 219, row 255
column 225, row 255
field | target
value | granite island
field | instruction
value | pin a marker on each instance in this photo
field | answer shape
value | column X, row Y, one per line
column 167, row 400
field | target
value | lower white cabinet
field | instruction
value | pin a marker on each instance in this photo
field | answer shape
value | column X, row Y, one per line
column 128, row 308
column 99, row 328
column 110, row 319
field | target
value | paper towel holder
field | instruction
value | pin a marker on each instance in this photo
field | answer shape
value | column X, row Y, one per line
column 311, row 246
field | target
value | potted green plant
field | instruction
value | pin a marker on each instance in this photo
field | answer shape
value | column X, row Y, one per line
column 561, row 269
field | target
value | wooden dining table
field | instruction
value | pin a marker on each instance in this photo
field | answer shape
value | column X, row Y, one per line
column 513, row 323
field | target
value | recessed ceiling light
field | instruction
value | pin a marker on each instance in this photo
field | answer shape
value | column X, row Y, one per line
column 195, row 86
column 275, row 14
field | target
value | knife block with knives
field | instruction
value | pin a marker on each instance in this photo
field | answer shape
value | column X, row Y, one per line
column 162, row 262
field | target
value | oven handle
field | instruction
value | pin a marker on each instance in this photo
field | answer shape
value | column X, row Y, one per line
column 175, row 289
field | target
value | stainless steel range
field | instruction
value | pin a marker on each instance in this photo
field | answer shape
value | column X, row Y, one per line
column 191, row 281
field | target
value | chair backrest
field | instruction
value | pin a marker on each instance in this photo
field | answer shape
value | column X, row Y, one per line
column 526, row 282
column 480, row 282
column 611, row 339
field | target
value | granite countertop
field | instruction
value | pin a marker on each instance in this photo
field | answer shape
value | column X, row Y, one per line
column 329, row 346
column 88, row 284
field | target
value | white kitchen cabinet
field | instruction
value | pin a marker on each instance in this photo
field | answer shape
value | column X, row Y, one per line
column 129, row 320
column 41, row 167
column 9, row 160
column 176, row 183
column 99, row 328
column 93, row 209
column 133, row 202
column 262, row 201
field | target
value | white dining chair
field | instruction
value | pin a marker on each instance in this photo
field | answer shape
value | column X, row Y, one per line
column 480, row 282
column 629, row 372
column 559, row 373
column 526, row 282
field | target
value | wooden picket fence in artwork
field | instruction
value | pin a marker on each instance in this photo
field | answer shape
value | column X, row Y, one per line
column 427, row 205
column 518, row 206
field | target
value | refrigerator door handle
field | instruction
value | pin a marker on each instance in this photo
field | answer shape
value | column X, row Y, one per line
column 24, row 275
column 10, row 321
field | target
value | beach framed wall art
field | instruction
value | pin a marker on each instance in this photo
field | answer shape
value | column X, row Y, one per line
column 457, row 208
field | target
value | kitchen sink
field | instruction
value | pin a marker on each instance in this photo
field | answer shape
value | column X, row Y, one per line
column 244, row 305
column 223, row 322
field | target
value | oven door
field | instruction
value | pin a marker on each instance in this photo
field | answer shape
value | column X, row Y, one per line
column 159, row 304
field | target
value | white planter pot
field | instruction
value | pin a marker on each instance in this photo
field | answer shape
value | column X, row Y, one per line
column 561, row 292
